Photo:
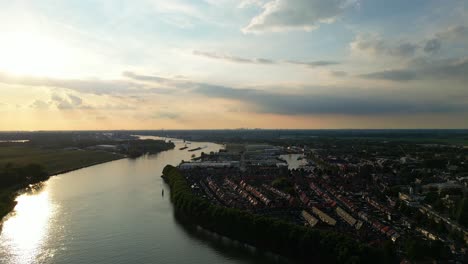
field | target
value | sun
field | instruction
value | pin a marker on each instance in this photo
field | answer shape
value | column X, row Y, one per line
column 30, row 53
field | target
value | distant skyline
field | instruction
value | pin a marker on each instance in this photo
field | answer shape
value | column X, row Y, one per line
column 215, row 64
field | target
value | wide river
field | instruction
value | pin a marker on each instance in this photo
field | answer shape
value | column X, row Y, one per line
column 113, row 213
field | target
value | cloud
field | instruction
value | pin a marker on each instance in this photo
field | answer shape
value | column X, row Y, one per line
column 367, row 103
column 403, row 49
column 232, row 58
column 354, row 102
column 75, row 100
column 339, row 73
column 93, row 86
column 235, row 59
column 72, row 102
column 374, row 46
column 392, row 75
column 39, row 104
column 454, row 33
column 447, row 69
column 174, row 83
column 313, row 64
column 284, row 15
column 433, row 45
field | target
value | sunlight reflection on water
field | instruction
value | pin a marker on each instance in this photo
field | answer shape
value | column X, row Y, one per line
column 25, row 231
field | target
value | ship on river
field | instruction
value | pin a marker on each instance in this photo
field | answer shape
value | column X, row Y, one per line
column 195, row 149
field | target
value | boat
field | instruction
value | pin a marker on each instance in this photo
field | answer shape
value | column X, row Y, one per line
column 194, row 149
column 182, row 148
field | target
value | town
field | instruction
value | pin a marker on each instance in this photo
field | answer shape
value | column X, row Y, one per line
column 410, row 197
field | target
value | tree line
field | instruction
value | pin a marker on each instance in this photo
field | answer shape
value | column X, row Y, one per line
column 16, row 177
column 12, row 174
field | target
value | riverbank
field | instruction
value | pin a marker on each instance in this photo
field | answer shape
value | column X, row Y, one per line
column 8, row 194
column 53, row 161
column 296, row 242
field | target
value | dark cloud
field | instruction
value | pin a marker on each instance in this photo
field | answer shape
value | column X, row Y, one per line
column 433, row 45
column 451, row 34
column 393, row 75
column 353, row 103
column 378, row 47
column 309, row 104
column 403, row 49
column 449, row 69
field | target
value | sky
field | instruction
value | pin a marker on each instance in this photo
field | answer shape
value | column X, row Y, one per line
column 217, row 64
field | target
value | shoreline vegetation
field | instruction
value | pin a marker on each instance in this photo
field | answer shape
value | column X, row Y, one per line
column 22, row 166
column 225, row 244
column 298, row 243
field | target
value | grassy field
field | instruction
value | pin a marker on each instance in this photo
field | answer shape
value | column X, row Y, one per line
column 53, row 160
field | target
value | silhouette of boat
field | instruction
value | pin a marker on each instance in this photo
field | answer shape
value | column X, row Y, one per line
column 194, row 149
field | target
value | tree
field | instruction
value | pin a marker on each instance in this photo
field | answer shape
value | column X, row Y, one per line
column 431, row 197
column 462, row 212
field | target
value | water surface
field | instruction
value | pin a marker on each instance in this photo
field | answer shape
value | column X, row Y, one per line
column 111, row 213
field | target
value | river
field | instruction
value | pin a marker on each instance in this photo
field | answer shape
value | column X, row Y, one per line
column 112, row 213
